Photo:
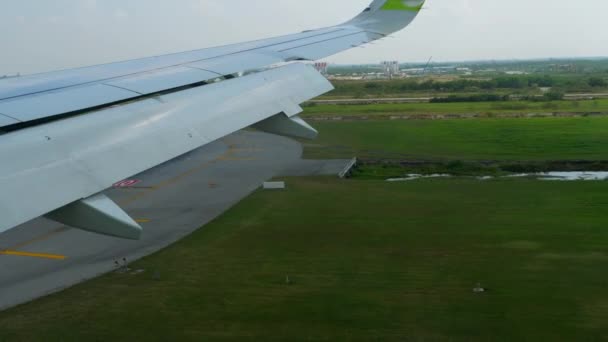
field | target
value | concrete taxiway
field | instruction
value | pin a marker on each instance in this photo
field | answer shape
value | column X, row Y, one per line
column 170, row 201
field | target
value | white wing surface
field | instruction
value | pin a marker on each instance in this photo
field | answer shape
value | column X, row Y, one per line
column 68, row 135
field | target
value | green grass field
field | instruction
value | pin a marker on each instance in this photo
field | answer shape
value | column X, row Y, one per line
column 371, row 260
column 367, row 260
column 584, row 106
column 478, row 139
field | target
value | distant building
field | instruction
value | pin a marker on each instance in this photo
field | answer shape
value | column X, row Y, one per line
column 563, row 67
column 390, row 68
column 414, row 71
column 322, row 67
column 515, row 72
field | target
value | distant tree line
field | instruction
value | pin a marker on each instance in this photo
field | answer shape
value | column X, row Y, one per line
column 471, row 98
column 516, row 83
column 553, row 95
column 597, row 82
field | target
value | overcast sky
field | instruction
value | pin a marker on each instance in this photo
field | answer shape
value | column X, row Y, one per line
column 41, row 35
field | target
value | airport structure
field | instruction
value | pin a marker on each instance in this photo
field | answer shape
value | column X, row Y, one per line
column 390, row 68
column 322, row 67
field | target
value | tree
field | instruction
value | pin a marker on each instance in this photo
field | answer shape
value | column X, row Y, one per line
column 554, row 95
column 509, row 82
column 597, row 82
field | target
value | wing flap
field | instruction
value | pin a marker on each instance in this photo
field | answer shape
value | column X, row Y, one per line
column 53, row 165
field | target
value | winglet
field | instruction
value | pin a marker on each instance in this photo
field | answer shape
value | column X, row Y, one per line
column 400, row 5
column 387, row 16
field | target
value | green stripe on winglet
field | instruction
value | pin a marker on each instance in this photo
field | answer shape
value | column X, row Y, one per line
column 398, row 5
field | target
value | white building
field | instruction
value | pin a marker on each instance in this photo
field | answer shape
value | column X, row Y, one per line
column 391, row 68
column 321, row 67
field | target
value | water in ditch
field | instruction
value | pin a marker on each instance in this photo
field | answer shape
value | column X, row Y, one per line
column 545, row 176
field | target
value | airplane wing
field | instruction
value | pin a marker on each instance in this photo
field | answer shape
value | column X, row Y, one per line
column 66, row 136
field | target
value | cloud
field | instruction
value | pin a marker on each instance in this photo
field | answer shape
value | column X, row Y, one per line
column 36, row 34
column 89, row 4
column 120, row 13
column 53, row 19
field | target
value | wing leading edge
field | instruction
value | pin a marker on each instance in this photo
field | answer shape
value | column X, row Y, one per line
column 72, row 134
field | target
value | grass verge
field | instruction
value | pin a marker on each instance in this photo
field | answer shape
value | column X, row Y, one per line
column 476, row 139
column 582, row 106
column 367, row 260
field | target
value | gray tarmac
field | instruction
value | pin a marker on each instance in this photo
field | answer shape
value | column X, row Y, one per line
column 170, row 202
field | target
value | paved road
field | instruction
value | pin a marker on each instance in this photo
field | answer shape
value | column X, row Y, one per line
column 422, row 99
column 170, row 201
column 373, row 100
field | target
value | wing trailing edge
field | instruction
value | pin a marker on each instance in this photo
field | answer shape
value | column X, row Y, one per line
column 55, row 164
column 71, row 134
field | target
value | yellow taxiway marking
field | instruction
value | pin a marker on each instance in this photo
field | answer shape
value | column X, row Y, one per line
column 247, row 149
column 230, row 153
column 34, row 255
column 40, row 238
column 235, row 159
